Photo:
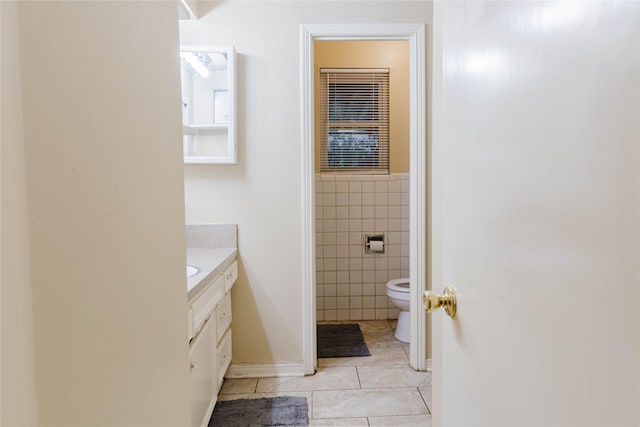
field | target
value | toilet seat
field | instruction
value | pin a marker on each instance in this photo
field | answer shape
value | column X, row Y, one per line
column 399, row 285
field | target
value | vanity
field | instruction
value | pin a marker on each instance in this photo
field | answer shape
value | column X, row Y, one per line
column 213, row 273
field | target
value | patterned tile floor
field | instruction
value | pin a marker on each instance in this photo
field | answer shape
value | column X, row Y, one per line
column 378, row 390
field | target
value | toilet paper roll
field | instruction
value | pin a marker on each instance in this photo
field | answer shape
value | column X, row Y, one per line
column 376, row 246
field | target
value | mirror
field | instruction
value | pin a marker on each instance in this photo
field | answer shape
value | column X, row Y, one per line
column 208, row 104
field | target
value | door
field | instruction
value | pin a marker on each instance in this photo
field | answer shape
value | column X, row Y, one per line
column 536, row 219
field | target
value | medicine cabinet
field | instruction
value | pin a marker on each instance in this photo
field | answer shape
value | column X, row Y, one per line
column 208, row 76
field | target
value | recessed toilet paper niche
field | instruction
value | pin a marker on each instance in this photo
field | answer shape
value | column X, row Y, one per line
column 374, row 243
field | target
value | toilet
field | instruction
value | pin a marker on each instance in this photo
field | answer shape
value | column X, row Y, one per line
column 399, row 293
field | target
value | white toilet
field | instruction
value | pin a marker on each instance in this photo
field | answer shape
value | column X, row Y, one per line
column 399, row 293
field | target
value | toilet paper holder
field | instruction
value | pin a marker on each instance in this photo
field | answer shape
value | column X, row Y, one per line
column 374, row 243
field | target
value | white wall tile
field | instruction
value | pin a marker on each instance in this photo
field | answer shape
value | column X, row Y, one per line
column 393, row 199
column 368, row 199
column 343, row 276
column 381, row 225
column 355, row 276
column 342, row 199
column 368, row 314
column 368, row 289
column 342, row 264
column 329, row 225
column 368, row 302
column 347, row 207
column 342, row 251
column 355, row 290
column 328, row 199
column 393, row 263
column 343, row 303
column 355, row 264
column 355, row 314
column 342, row 238
column 342, row 187
column 394, row 186
column 381, row 313
column 394, row 224
column 381, row 301
column 368, row 187
column 330, row 303
column 369, row 263
column 342, row 212
column 368, row 225
column 355, row 302
column 369, row 275
column 329, row 264
column 330, row 290
column 355, row 225
column 393, row 250
column 394, row 212
column 342, row 290
column 330, row 277
column 381, row 198
column 342, row 314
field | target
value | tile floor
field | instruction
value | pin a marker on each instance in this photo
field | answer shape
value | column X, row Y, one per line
column 378, row 390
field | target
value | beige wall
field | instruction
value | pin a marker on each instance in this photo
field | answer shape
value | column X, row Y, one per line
column 19, row 407
column 372, row 54
column 262, row 193
column 104, row 187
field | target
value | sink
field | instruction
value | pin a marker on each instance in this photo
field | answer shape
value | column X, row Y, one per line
column 192, row 270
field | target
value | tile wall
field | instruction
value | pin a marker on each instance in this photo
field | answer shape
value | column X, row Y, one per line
column 351, row 285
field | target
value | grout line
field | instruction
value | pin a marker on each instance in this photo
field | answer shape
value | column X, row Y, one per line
column 425, row 402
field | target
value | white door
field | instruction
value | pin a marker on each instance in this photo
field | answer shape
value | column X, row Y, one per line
column 536, row 213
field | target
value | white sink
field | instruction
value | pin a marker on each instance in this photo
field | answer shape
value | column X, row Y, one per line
column 192, row 270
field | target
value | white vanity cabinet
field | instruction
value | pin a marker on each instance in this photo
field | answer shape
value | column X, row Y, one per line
column 210, row 342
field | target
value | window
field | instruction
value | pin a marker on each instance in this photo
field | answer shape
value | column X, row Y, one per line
column 354, row 120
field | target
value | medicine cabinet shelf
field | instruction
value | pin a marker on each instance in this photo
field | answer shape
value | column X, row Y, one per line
column 208, row 83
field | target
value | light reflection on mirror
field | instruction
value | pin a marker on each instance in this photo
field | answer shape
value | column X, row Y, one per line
column 204, row 88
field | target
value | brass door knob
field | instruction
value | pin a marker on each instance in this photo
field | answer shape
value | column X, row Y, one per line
column 432, row 301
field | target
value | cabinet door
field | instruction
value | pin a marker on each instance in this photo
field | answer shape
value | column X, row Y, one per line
column 223, row 315
column 204, row 374
column 224, row 356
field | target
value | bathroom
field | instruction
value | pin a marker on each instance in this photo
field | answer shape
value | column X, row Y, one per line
column 350, row 205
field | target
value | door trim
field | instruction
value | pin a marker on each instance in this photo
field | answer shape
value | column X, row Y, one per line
column 415, row 35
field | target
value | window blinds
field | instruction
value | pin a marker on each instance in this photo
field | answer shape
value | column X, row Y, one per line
column 354, row 120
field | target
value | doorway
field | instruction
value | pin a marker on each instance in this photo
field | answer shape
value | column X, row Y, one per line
column 414, row 35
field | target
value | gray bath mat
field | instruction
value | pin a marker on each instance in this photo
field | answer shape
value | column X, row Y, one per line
column 341, row 341
column 276, row 411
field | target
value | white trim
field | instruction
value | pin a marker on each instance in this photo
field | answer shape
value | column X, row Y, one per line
column 309, row 355
column 264, row 370
column 415, row 34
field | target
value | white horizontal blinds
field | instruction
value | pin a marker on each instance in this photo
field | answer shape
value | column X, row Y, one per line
column 354, row 120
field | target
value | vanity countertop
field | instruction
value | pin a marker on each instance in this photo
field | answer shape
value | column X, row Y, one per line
column 210, row 262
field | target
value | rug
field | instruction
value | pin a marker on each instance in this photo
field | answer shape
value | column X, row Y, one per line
column 275, row 411
column 341, row 341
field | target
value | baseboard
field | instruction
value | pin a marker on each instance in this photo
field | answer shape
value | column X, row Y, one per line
column 429, row 364
column 263, row 370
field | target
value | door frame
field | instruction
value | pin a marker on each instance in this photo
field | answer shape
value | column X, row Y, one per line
column 415, row 35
